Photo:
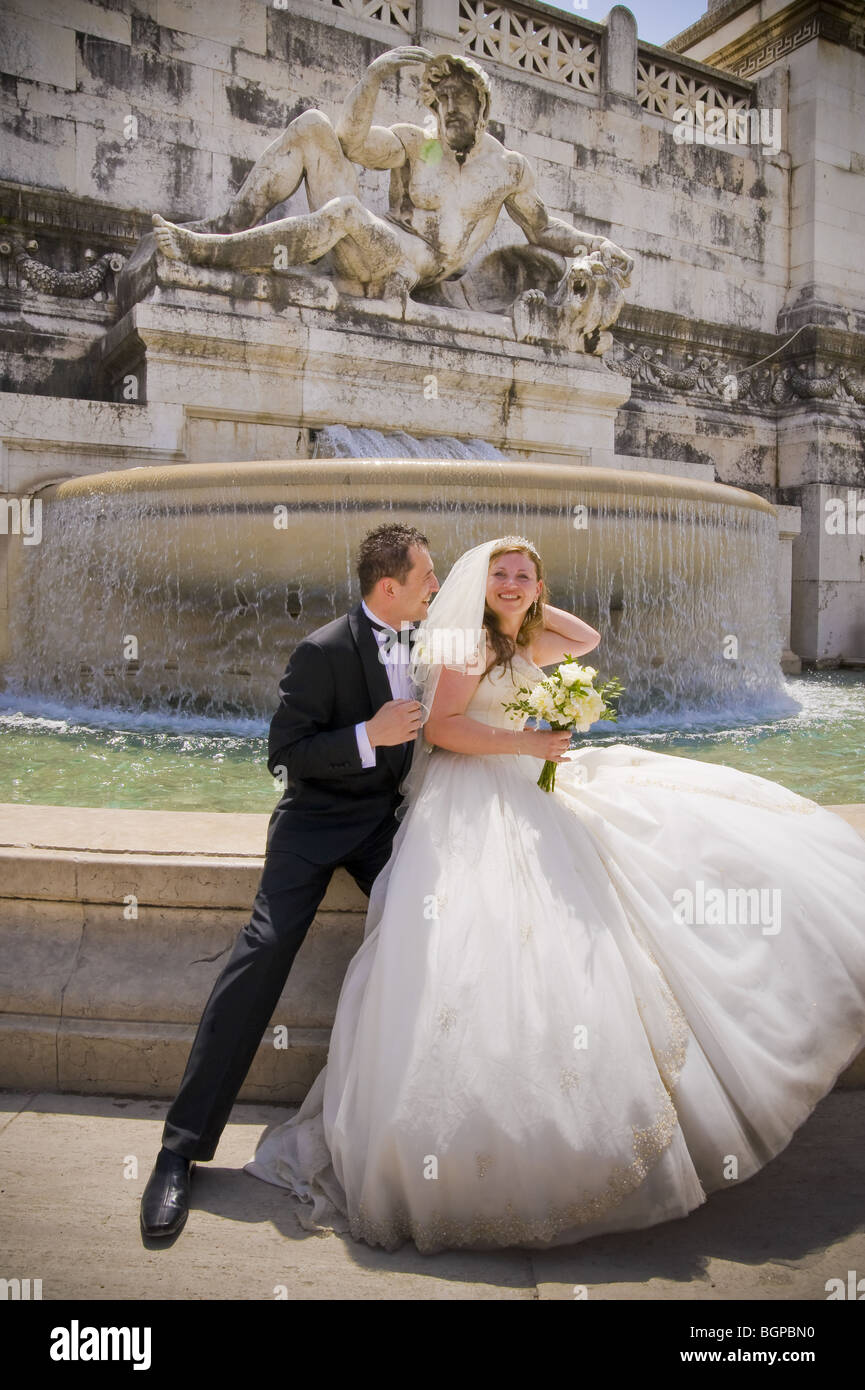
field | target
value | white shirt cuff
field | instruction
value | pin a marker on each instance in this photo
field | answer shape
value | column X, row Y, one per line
column 364, row 747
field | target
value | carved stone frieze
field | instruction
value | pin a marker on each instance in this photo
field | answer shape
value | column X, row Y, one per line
column 774, row 384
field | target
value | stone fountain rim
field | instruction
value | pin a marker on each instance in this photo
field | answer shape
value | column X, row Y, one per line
column 351, row 471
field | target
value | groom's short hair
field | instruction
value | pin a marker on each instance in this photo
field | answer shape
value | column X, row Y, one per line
column 384, row 554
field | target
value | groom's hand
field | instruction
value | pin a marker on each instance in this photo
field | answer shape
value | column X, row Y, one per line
column 396, row 722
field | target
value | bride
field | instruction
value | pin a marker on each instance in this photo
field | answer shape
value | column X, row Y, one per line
column 573, row 1012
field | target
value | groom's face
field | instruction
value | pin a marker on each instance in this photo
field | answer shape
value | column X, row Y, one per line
column 412, row 597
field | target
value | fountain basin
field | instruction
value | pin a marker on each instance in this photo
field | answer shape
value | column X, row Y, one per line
column 188, row 586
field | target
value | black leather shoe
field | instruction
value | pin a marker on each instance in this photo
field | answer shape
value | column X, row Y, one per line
column 165, row 1203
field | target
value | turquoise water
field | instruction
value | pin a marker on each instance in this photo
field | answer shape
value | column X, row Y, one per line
column 104, row 758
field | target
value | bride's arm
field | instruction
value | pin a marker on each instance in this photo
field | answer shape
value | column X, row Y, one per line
column 562, row 633
column 450, row 727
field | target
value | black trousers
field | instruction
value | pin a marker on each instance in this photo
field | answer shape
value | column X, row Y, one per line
column 247, row 992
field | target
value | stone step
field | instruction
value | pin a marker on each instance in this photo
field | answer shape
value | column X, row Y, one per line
column 114, row 925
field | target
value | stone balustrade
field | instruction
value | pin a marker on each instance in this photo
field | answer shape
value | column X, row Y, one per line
column 539, row 41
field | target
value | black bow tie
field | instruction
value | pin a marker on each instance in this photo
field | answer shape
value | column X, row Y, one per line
column 381, row 627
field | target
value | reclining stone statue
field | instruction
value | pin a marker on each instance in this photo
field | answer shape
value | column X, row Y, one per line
column 447, row 188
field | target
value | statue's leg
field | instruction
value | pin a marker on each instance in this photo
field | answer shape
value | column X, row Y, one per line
column 330, row 174
column 381, row 253
column 308, row 148
column 273, row 246
column 366, row 249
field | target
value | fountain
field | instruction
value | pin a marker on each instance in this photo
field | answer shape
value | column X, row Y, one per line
column 187, row 587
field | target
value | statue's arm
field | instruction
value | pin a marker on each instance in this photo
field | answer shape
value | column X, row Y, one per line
column 527, row 209
column 374, row 146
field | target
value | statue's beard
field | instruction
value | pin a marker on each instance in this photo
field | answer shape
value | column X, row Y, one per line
column 459, row 138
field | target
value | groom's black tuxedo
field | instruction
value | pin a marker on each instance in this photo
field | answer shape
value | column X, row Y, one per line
column 334, row 812
column 334, row 680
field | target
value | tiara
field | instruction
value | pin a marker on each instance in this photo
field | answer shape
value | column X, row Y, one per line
column 518, row 543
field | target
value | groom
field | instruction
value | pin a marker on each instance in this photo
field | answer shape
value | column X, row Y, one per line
column 342, row 740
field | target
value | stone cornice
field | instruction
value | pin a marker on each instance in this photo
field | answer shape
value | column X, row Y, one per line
column 54, row 211
column 699, row 335
column 839, row 21
column 706, row 24
column 665, row 326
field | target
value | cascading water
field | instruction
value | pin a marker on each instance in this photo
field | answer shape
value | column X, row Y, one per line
column 187, row 587
column 342, row 442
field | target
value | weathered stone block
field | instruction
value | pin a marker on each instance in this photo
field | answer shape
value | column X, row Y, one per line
column 37, row 50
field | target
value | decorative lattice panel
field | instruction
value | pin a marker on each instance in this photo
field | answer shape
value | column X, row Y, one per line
column 519, row 40
column 399, row 14
column 665, row 90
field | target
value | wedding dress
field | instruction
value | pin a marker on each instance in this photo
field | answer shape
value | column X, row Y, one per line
column 571, row 1012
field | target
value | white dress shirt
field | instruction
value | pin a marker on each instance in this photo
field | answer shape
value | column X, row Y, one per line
column 395, row 661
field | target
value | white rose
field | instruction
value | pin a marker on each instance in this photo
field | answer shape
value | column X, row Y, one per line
column 596, row 707
column 570, row 672
column 590, row 710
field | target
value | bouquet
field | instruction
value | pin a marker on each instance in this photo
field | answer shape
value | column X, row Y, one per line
column 567, row 699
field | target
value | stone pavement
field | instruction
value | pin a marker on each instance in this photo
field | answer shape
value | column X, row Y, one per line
column 69, row 1195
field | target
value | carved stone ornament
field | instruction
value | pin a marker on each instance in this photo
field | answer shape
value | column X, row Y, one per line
column 67, row 284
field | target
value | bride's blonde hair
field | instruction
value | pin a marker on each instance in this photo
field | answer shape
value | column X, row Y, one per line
column 504, row 646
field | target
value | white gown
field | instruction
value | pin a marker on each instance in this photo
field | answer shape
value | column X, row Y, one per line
column 531, row 1048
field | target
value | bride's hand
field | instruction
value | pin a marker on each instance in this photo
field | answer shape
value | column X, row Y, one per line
column 550, row 744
